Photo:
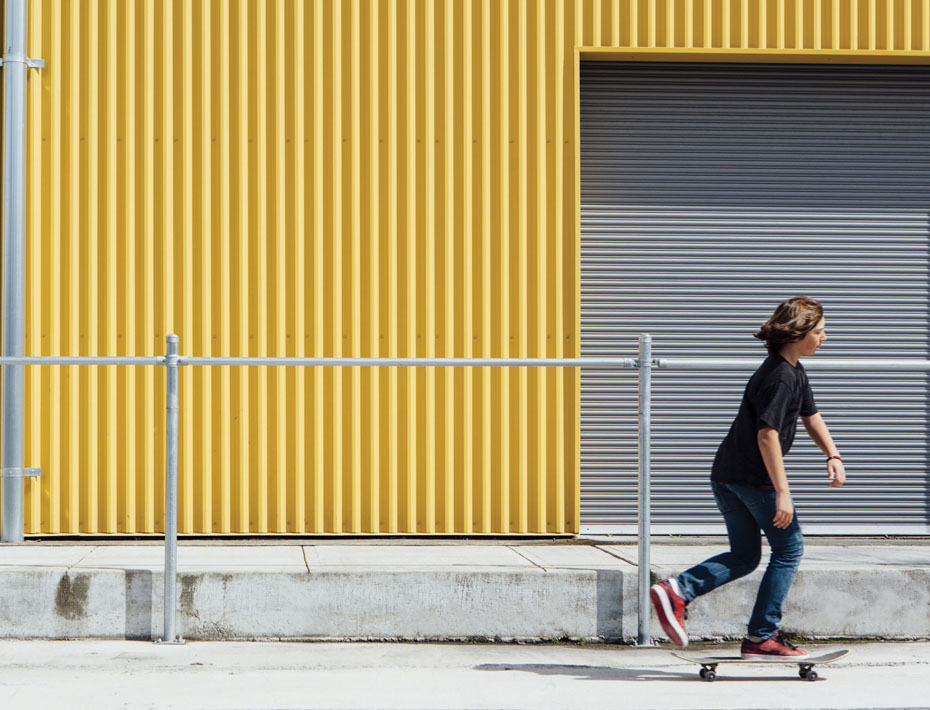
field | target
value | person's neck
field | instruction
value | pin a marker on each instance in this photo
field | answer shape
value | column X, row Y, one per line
column 790, row 354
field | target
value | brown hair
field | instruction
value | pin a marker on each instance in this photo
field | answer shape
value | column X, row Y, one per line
column 791, row 321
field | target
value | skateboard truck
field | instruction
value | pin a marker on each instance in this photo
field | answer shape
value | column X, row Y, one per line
column 806, row 670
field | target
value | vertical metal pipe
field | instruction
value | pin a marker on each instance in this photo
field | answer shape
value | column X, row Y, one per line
column 14, row 263
column 171, row 492
column 645, row 504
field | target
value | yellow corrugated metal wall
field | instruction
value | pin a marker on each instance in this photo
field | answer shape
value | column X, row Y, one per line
column 341, row 177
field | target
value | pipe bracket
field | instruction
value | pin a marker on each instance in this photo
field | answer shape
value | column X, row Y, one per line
column 19, row 472
column 30, row 63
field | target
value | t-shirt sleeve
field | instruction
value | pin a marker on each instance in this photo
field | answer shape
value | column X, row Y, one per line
column 808, row 405
column 773, row 405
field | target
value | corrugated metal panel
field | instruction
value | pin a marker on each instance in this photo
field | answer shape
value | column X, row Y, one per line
column 290, row 178
column 811, row 25
column 709, row 194
column 356, row 177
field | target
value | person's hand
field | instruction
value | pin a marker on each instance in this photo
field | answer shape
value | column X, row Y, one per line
column 836, row 473
column 784, row 509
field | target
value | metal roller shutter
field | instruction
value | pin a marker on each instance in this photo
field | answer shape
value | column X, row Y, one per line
column 709, row 193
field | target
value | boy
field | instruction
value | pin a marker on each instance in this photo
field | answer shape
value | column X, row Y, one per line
column 751, row 489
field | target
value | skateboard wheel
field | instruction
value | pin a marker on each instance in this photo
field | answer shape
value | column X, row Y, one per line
column 803, row 673
column 812, row 675
column 703, row 673
column 710, row 676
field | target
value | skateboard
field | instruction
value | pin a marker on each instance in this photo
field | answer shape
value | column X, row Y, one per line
column 806, row 665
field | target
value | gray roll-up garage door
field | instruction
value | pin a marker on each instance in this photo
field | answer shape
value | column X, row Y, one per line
column 711, row 192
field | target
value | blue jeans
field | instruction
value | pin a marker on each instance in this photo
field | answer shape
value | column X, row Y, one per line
column 747, row 511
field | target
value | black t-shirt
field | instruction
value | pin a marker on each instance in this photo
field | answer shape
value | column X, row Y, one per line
column 776, row 395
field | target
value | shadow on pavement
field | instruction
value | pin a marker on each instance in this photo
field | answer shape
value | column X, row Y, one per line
column 590, row 672
column 607, row 673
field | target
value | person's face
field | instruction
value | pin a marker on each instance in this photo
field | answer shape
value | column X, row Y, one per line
column 813, row 339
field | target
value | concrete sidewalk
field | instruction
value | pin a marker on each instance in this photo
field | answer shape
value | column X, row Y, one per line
column 583, row 588
column 100, row 675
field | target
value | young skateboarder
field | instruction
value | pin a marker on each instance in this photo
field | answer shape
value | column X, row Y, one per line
column 751, row 489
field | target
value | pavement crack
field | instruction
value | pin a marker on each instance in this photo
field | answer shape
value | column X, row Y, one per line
column 303, row 550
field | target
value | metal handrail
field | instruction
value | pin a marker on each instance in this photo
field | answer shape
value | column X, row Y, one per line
column 81, row 360
column 172, row 361
column 746, row 363
column 597, row 362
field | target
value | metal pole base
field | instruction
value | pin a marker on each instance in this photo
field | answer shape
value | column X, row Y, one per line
column 178, row 642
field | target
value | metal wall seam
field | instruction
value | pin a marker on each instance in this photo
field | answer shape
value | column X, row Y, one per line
column 73, row 212
column 374, row 378
column 467, row 295
column 925, row 25
column 298, row 459
column 51, row 310
column 315, row 394
column 521, row 315
column 487, row 280
column 224, row 469
column 503, row 428
column 243, row 410
column 260, row 424
column 90, row 520
column 410, row 377
column 152, row 492
column 333, row 295
column 277, row 270
column 539, row 297
column 556, row 227
column 202, row 296
column 36, row 239
column 165, row 226
column 185, row 301
column 136, row 492
column 207, row 186
column 354, row 326
column 572, row 266
column 450, row 164
column 428, row 265
column 391, row 515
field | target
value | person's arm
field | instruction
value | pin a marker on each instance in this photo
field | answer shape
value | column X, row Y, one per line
column 820, row 435
column 770, row 448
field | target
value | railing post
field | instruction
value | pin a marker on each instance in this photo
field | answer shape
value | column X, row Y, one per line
column 645, row 504
column 14, row 264
column 171, row 494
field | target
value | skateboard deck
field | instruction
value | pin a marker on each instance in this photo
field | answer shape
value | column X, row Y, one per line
column 709, row 664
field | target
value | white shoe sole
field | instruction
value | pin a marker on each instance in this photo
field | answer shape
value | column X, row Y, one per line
column 670, row 625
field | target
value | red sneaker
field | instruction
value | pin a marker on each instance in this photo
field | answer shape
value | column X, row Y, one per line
column 670, row 608
column 774, row 648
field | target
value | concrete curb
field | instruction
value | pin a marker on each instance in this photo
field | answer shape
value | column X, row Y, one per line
column 527, row 603
column 417, row 590
column 433, row 604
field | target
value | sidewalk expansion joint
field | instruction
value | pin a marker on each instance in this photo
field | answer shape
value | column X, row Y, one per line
column 630, row 560
column 533, row 562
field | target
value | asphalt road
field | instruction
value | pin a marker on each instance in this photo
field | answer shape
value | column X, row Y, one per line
column 239, row 675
